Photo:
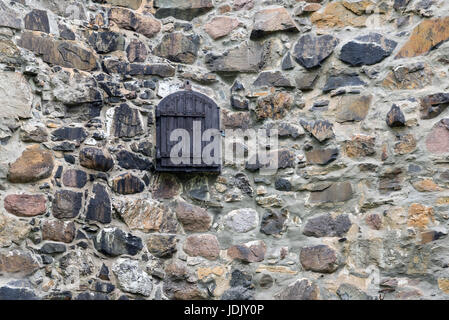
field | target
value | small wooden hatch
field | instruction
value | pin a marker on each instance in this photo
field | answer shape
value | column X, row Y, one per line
column 195, row 113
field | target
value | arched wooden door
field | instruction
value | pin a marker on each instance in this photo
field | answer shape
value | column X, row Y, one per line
column 187, row 110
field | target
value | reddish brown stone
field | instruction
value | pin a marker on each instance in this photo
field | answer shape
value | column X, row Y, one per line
column 19, row 262
column 360, row 146
column 34, row 164
column 193, row 218
column 374, row 220
column 58, row 230
column 204, row 245
column 319, row 258
column 219, row 27
column 438, row 139
column 428, row 35
column 429, row 236
column 25, row 205
column 165, row 187
column 127, row 19
column 236, row 120
column 270, row 20
column 274, row 106
column 249, row 252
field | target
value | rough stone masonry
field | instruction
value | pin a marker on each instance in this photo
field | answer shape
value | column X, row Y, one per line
column 358, row 90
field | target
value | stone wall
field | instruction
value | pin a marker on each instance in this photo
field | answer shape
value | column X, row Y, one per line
column 358, row 90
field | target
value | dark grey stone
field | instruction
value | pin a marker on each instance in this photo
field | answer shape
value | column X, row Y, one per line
column 272, row 222
column 65, row 147
column 9, row 293
column 299, row 290
column 37, row 20
column 53, row 248
column 311, row 50
column 106, row 41
column 306, row 80
column 115, row 242
column 178, row 47
column 395, row 117
column 77, row 134
column 242, row 182
column 342, row 80
column 287, row 62
column 66, row 204
column 282, row 184
column 99, row 208
column 182, row 9
column 326, row 226
column 239, row 103
column 126, row 122
column 129, row 160
column 92, row 296
column 367, row 50
column 272, row 79
column 65, row 32
column 104, row 287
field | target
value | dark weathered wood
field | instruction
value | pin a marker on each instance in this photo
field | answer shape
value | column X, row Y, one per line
column 180, row 110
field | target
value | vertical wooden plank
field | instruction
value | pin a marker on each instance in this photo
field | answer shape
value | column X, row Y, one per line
column 190, row 109
column 204, row 124
column 182, row 110
column 158, row 138
column 179, row 120
column 171, row 125
column 163, row 126
column 210, row 118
